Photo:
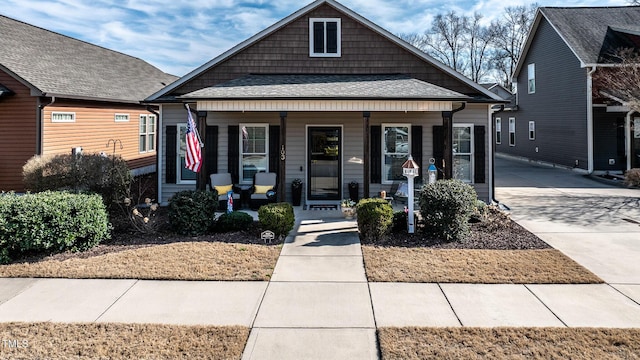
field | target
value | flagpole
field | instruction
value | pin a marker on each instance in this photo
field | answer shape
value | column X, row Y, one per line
column 195, row 128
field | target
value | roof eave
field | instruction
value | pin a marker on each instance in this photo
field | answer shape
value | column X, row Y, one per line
column 89, row 98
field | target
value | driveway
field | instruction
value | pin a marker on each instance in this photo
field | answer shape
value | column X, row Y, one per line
column 595, row 224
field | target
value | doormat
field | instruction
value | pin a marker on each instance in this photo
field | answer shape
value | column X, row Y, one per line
column 323, row 207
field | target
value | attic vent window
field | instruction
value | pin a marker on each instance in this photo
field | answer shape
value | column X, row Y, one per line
column 324, row 37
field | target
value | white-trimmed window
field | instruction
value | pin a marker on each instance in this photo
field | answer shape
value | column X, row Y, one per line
column 498, row 130
column 147, row 133
column 512, row 131
column 254, row 150
column 63, row 117
column 532, row 130
column 396, row 143
column 121, row 118
column 463, row 152
column 324, row 37
column 531, row 78
column 185, row 176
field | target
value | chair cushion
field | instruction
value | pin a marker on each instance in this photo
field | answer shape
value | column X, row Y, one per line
column 223, row 189
column 262, row 189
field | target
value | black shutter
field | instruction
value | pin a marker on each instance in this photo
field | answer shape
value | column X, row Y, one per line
column 234, row 153
column 211, row 150
column 416, row 148
column 274, row 148
column 479, row 154
column 438, row 148
column 170, row 154
column 376, row 154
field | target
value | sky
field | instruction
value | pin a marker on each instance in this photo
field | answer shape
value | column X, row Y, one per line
column 178, row 36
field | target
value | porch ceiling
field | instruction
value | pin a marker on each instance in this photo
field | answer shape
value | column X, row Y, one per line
column 326, row 87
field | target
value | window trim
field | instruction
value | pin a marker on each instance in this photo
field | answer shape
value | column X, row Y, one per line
column 383, row 153
column 73, row 116
column 126, row 119
column 241, row 153
column 177, row 150
column 147, row 134
column 512, row 130
column 498, row 131
column 338, row 52
column 531, row 78
column 471, row 154
column 532, row 130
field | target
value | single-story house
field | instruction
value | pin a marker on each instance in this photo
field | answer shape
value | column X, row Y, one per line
column 328, row 97
column 559, row 119
column 58, row 93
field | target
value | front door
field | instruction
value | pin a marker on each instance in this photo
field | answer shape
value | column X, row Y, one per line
column 324, row 162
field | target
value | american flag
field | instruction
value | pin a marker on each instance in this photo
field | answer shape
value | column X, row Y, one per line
column 193, row 156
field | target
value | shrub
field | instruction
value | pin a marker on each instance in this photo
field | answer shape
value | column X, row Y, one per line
column 234, row 221
column 191, row 212
column 632, row 177
column 50, row 222
column 375, row 218
column 400, row 221
column 446, row 207
column 277, row 217
column 108, row 176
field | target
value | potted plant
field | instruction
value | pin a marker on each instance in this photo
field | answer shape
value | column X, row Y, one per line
column 296, row 191
column 348, row 208
column 353, row 190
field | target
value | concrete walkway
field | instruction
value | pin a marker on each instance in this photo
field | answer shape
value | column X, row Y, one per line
column 319, row 305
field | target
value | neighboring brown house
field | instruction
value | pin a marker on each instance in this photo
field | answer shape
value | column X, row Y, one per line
column 329, row 97
column 59, row 93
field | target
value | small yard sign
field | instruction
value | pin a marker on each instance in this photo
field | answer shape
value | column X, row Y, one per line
column 267, row 236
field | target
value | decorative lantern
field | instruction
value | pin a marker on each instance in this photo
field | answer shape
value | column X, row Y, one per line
column 410, row 170
column 433, row 172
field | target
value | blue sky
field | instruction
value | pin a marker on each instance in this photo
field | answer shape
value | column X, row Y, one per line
column 177, row 35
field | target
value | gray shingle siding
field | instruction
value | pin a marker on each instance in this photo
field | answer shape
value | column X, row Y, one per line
column 558, row 106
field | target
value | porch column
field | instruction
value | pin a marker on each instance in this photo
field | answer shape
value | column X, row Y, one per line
column 202, row 177
column 282, row 172
column 447, row 125
column 366, row 178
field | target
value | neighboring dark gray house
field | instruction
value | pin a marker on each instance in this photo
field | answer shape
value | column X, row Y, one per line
column 557, row 119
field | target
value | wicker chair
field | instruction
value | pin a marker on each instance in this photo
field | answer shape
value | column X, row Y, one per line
column 222, row 183
column 264, row 190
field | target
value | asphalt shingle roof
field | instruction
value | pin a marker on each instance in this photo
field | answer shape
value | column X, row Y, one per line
column 59, row 65
column 585, row 28
column 325, row 87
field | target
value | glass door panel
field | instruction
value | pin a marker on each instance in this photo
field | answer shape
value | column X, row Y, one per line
column 324, row 154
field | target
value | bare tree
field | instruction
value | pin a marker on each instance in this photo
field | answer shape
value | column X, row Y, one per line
column 445, row 40
column 509, row 35
column 479, row 43
column 414, row 39
column 621, row 81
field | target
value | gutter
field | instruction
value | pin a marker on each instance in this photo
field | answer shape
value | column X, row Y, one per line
column 40, row 123
column 590, row 165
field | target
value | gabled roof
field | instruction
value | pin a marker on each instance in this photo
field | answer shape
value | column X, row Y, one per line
column 52, row 64
column 296, row 15
column 326, row 87
column 584, row 29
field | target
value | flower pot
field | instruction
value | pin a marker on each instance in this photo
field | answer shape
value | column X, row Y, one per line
column 348, row 212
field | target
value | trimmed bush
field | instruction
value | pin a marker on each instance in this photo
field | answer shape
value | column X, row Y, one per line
column 277, row 217
column 632, row 177
column 50, row 222
column 375, row 219
column 446, row 207
column 108, row 176
column 191, row 212
column 234, row 221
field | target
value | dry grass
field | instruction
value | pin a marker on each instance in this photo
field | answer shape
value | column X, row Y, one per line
column 176, row 261
column 508, row 343
column 121, row 341
column 396, row 264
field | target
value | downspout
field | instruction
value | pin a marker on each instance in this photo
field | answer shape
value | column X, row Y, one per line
column 590, row 164
column 492, row 164
column 627, row 138
column 40, row 124
column 158, row 155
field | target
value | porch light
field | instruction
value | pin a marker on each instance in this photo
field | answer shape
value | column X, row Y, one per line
column 410, row 171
